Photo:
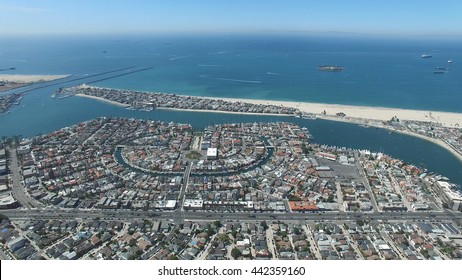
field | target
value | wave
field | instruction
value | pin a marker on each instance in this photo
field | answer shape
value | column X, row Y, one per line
column 221, row 52
column 130, row 57
column 179, row 57
column 208, row 65
column 240, row 81
column 277, row 74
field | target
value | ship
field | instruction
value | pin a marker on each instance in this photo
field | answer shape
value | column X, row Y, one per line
column 442, row 68
column 426, row 56
column 330, row 68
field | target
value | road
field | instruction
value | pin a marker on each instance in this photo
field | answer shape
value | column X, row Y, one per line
column 179, row 217
column 362, row 173
column 17, row 189
column 128, row 215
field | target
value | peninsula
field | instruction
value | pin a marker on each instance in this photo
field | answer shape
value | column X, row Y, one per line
column 13, row 81
column 26, row 79
column 441, row 128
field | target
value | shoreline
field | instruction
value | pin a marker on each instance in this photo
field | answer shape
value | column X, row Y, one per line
column 102, row 100
column 435, row 141
column 438, row 142
column 447, row 119
column 24, row 79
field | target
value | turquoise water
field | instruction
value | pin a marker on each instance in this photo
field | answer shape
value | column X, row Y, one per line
column 378, row 73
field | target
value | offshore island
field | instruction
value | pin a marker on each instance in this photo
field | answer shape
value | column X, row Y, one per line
column 115, row 188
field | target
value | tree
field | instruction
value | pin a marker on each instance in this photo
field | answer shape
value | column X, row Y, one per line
column 264, row 225
column 210, row 230
column 223, row 238
column 297, row 231
column 294, row 198
column 236, row 253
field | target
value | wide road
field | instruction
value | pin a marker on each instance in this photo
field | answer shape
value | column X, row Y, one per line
column 17, row 188
column 127, row 215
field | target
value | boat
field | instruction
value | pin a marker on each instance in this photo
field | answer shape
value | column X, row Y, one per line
column 426, row 56
column 442, row 68
column 449, row 61
column 330, row 68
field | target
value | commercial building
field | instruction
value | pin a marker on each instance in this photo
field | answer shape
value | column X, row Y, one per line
column 7, row 201
column 212, row 153
column 303, row 206
column 452, row 195
column 327, row 156
column 193, row 204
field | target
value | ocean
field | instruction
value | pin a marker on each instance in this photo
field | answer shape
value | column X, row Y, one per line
column 378, row 72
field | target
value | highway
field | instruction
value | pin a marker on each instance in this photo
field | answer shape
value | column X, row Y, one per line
column 130, row 215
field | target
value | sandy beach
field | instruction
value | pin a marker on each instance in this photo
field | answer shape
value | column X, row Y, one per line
column 372, row 113
column 102, row 99
column 29, row 78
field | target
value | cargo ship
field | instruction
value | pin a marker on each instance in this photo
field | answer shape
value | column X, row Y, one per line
column 330, row 68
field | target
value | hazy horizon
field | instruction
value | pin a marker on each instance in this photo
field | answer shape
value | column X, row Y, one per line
column 361, row 17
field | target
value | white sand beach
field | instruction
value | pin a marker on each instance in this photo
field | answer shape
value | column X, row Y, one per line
column 374, row 113
column 13, row 78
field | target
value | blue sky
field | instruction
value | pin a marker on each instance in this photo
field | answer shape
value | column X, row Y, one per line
column 399, row 17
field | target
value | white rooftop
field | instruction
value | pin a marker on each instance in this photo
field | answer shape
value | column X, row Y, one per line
column 212, row 152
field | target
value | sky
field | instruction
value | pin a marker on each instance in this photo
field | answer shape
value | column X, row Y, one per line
column 390, row 17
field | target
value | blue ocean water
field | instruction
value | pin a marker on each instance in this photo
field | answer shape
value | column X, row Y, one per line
column 378, row 72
